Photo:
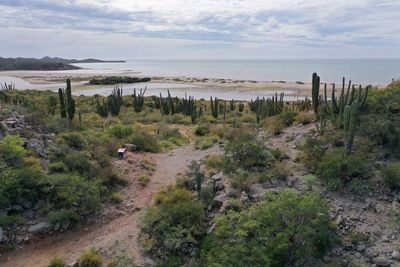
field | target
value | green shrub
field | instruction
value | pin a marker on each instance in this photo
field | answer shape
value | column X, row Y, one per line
column 313, row 150
column 391, row 175
column 57, row 167
column 359, row 186
column 215, row 161
column 78, row 162
column 63, row 216
column 273, row 125
column 144, row 141
column 206, row 142
column 90, row 258
column 120, row 131
column 202, row 130
column 56, row 261
column 74, row 140
column 287, row 117
column 241, row 180
column 122, row 259
column 144, row 180
column 284, row 230
column 337, row 167
column 12, row 150
column 246, row 152
column 173, row 223
column 279, row 171
column 116, row 197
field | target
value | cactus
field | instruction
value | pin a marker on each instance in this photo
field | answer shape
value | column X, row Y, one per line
column 232, row 105
column 315, row 92
column 214, row 107
column 52, row 105
column 138, row 100
column 102, row 109
column 350, row 124
column 115, row 101
column 70, row 104
column 241, row 106
column 63, row 111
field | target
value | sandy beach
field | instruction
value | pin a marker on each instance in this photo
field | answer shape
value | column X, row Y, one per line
column 178, row 85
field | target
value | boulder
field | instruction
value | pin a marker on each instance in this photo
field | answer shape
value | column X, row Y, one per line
column 40, row 228
column 219, row 186
column 1, row 233
column 257, row 191
column 380, row 261
column 217, row 177
column 395, row 255
column 218, row 201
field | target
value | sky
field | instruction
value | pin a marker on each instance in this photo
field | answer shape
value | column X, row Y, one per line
column 200, row 29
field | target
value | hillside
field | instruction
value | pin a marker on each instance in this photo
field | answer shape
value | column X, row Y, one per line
column 45, row 63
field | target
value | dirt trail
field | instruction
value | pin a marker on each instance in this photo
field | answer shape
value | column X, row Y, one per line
column 121, row 232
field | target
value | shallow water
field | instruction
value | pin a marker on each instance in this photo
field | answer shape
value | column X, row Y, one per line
column 360, row 71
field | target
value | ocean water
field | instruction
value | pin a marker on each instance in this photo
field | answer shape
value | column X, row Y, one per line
column 360, row 71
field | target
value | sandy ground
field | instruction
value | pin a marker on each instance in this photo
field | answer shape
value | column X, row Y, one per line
column 120, row 232
column 83, row 76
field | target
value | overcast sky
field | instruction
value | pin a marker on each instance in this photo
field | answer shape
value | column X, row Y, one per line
column 127, row 29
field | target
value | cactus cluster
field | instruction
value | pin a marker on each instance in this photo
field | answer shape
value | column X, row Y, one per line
column 267, row 107
column 67, row 103
column 334, row 107
column 102, row 108
column 214, row 107
column 115, row 101
column 138, row 100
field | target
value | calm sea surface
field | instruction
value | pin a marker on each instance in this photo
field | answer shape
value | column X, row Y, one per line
column 364, row 71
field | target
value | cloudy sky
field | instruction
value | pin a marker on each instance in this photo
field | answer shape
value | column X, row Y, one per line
column 113, row 29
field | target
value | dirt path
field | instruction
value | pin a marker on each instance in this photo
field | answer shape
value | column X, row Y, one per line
column 120, row 232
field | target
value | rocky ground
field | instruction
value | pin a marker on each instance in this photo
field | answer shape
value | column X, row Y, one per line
column 363, row 222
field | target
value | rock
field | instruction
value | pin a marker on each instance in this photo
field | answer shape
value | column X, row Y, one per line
column 26, row 204
column 16, row 208
column 385, row 239
column 218, row 201
column 380, row 261
column 40, row 204
column 131, row 147
column 339, row 220
column 217, row 177
column 219, row 186
column 395, row 255
column 256, row 191
column 40, row 228
column 326, row 259
column 361, row 248
column 358, row 255
column 57, row 227
column 244, row 197
column 148, row 262
column 1, row 233
column 73, row 264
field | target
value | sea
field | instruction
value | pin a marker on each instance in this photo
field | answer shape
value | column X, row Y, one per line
column 360, row 71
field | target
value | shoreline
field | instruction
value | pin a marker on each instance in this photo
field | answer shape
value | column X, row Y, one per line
column 80, row 78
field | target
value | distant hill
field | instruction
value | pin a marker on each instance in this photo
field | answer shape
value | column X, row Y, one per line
column 45, row 63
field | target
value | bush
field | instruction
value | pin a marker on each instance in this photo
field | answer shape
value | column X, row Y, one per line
column 313, row 150
column 57, row 167
column 215, row 161
column 279, row 171
column 90, row 258
column 337, row 167
column 78, row 162
column 56, row 261
column 63, row 216
column 121, row 132
column 172, row 225
column 304, row 117
column 284, row 230
column 12, row 150
column 122, row 259
column 246, row 152
column 273, row 125
column 144, row 180
column 202, row 130
column 287, row 117
column 241, row 180
column 206, row 142
column 144, row 141
column 391, row 175
column 116, row 197
column 74, row 140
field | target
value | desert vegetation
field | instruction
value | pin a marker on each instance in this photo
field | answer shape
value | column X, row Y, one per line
column 293, row 183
